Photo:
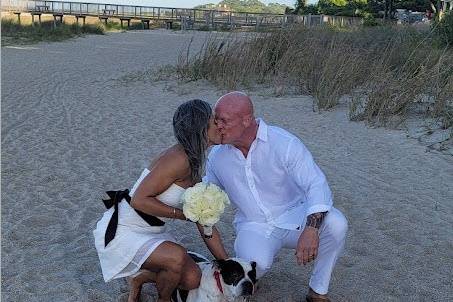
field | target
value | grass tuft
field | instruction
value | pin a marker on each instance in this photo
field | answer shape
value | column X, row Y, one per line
column 15, row 33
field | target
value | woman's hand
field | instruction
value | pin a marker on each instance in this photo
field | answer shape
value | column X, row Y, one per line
column 214, row 244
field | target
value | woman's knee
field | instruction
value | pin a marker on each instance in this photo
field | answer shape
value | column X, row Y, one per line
column 177, row 259
column 169, row 257
column 191, row 277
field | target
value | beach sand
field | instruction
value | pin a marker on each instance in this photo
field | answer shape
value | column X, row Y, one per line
column 77, row 122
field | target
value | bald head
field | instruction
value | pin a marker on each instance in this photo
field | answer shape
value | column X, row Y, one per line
column 235, row 102
column 235, row 119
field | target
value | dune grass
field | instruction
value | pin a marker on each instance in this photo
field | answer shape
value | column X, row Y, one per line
column 384, row 70
column 15, row 33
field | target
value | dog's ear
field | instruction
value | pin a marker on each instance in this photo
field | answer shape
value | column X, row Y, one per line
column 253, row 263
column 252, row 273
column 219, row 264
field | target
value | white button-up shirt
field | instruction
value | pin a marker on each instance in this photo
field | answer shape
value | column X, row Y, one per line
column 278, row 184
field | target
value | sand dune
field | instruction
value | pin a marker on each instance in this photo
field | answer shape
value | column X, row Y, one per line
column 73, row 127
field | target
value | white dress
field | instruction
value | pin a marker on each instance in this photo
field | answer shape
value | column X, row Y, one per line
column 134, row 239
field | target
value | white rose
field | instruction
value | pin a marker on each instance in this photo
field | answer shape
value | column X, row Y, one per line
column 204, row 203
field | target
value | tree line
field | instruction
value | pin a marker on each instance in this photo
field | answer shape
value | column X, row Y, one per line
column 362, row 8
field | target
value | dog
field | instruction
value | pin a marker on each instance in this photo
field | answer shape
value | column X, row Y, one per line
column 227, row 280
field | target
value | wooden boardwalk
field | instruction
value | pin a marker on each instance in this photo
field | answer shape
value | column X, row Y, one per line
column 186, row 17
column 210, row 18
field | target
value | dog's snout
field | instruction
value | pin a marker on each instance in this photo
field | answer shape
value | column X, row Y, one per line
column 247, row 288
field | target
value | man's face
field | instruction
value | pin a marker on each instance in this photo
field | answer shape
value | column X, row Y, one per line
column 214, row 135
column 230, row 124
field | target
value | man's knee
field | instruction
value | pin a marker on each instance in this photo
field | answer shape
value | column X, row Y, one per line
column 262, row 268
column 263, row 265
column 336, row 224
column 263, row 260
column 252, row 245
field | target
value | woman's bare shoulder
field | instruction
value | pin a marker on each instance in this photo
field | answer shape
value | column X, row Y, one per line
column 173, row 160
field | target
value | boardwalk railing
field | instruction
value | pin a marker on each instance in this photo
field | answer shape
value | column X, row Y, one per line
column 187, row 17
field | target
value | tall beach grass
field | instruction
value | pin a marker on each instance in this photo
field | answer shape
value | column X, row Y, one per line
column 384, row 70
column 15, row 33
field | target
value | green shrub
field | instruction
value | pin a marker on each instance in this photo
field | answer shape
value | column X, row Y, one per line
column 369, row 20
column 444, row 29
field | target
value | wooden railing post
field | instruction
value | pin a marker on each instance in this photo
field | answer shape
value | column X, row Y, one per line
column 212, row 19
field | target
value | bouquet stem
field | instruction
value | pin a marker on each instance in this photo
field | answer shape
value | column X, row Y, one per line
column 207, row 231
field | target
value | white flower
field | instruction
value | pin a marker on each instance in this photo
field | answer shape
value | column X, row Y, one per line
column 204, row 203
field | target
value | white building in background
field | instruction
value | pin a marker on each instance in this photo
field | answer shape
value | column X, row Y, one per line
column 447, row 5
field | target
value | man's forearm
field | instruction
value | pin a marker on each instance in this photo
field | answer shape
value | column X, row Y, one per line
column 315, row 220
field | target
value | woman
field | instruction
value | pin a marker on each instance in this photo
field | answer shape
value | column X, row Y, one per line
column 131, row 238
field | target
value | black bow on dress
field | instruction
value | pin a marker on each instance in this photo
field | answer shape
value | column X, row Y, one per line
column 115, row 198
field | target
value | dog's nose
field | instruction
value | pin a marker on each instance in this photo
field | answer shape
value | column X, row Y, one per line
column 247, row 288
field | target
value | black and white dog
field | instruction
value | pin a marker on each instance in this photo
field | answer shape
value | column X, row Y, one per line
column 227, row 280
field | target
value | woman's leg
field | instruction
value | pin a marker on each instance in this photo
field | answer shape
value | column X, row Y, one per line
column 136, row 283
column 169, row 266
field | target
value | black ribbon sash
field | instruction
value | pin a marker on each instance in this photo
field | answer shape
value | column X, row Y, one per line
column 115, row 198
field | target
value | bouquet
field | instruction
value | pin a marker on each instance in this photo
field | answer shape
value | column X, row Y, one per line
column 204, row 203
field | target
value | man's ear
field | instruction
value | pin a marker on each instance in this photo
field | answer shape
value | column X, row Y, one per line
column 247, row 120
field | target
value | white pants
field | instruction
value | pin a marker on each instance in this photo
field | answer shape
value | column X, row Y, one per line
column 254, row 244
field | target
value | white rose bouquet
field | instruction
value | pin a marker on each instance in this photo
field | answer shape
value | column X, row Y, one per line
column 204, row 203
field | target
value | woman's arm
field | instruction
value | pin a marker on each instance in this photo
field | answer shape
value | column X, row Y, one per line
column 214, row 244
column 168, row 169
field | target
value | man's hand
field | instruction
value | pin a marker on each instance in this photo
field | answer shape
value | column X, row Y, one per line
column 307, row 246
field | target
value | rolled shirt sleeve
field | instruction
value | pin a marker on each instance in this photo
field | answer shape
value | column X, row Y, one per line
column 309, row 177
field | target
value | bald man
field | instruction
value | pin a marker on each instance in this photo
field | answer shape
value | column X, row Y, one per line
column 281, row 197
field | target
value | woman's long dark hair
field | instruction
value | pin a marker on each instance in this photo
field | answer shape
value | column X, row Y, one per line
column 190, row 126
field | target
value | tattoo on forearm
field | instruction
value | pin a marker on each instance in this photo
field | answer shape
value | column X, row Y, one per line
column 315, row 220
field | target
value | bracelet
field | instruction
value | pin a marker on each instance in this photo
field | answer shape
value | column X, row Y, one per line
column 174, row 213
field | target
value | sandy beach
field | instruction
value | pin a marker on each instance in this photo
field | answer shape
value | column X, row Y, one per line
column 79, row 118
